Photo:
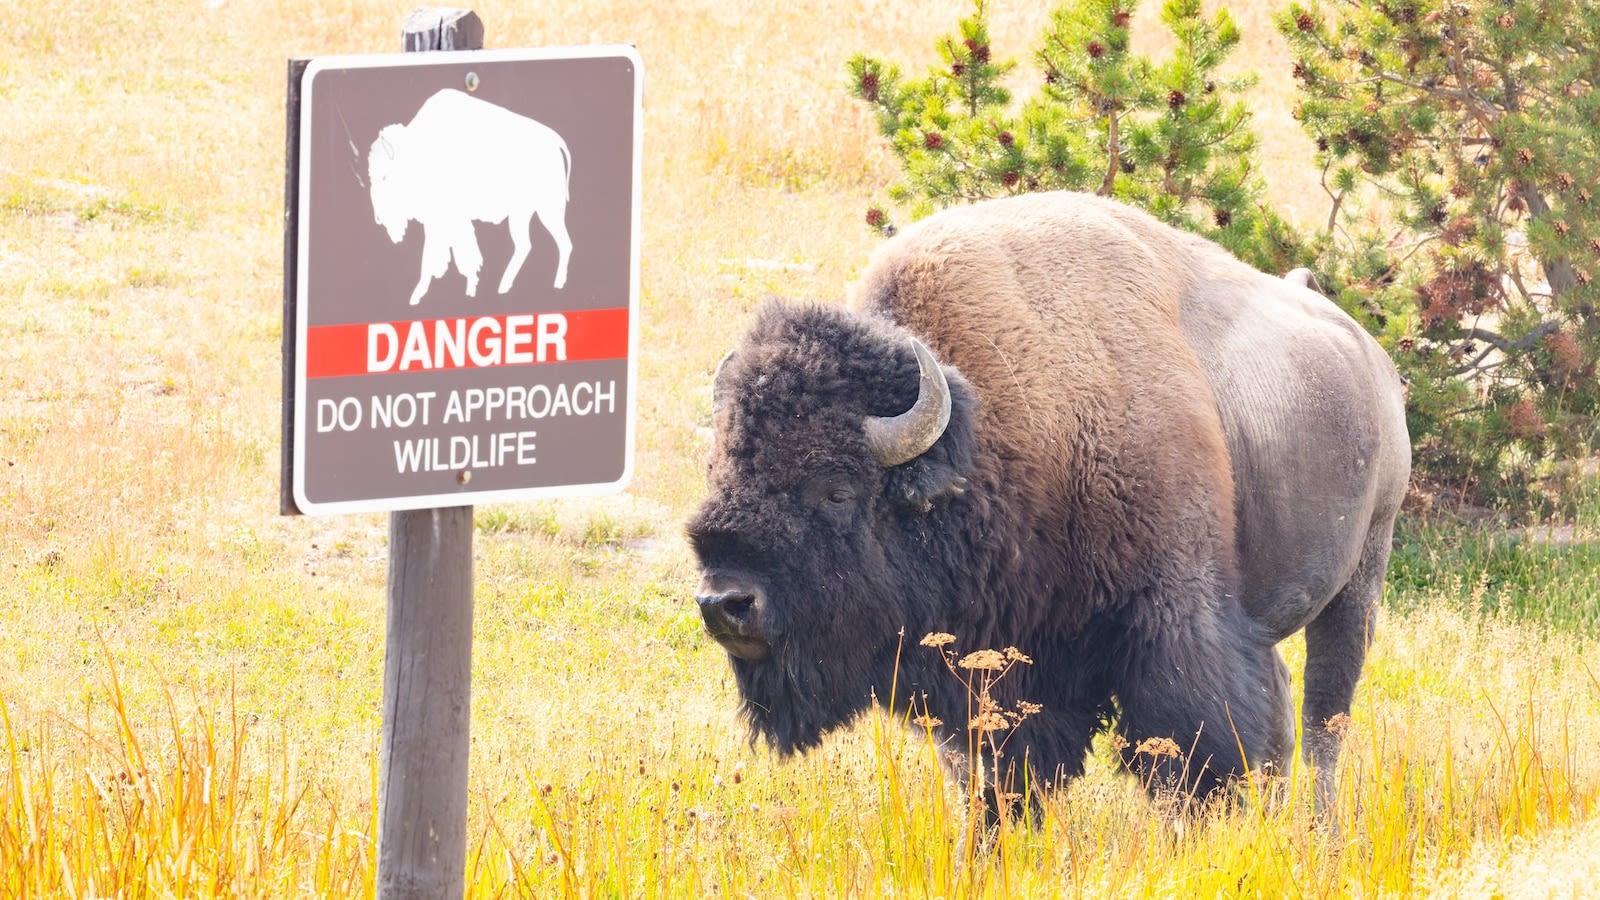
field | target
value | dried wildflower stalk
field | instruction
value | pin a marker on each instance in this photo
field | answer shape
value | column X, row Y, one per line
column 989, row 724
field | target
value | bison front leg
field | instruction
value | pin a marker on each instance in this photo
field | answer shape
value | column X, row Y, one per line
column 468, row 256
column 1202, row 707
column 435, row 262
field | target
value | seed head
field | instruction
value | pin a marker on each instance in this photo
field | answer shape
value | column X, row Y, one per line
column 937, row 639
column 989, row 722
column 990, row 660
column 1158, row 747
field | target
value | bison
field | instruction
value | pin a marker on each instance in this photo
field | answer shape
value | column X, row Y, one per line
column 505, row 166
column 1053, row 422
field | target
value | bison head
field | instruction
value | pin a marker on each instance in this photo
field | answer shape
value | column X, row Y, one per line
column 383, row 175
column 841, row 451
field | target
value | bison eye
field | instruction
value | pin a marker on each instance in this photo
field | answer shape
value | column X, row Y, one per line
column 830, row 494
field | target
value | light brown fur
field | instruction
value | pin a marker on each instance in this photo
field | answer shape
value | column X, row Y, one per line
column 1257, row 420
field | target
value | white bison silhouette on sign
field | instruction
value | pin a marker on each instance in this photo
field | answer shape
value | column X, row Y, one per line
column 502, row 166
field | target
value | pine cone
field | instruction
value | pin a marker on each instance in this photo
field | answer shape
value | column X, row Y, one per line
column 869, row 86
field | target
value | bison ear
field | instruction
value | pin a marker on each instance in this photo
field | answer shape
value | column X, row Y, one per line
column 940, row 472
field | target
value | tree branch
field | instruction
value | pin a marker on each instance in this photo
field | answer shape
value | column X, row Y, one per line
column 1113, row 153
column 1503, row 344
column 1558, row 273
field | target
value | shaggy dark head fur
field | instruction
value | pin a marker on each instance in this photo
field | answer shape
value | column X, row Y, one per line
column 814, row 555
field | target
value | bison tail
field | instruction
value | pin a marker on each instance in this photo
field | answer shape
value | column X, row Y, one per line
column 566, row 159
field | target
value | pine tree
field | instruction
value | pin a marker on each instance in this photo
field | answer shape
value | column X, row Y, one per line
column 1172, row 137
column 1467, row 127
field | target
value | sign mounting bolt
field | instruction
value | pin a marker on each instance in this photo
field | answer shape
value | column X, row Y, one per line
column 464, row 476
column 472, row 81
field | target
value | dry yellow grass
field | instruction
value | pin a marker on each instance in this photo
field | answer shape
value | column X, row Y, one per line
column 140, row 244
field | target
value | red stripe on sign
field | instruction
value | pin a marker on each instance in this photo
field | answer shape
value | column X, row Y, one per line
column 470, row 342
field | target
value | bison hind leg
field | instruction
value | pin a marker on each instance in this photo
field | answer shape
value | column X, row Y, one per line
column 554, row 218
column 519, row 222
column 1336, row 649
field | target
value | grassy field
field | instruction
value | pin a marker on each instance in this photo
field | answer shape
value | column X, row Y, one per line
column 190, row 684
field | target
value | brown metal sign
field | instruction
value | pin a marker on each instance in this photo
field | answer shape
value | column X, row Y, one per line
column 466, row 277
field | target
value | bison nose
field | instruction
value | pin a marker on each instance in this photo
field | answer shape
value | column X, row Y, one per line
column 728, row 605
column 730, row 615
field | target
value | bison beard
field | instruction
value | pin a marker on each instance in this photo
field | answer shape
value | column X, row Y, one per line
column 1078, row 503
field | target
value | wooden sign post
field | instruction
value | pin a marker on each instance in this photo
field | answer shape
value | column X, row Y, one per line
column 427, row 660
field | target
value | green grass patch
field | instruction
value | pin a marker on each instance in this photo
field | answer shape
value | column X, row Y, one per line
column 1545, row 576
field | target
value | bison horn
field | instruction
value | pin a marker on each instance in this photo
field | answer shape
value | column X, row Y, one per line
column 899, row 439
column 719, row 391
